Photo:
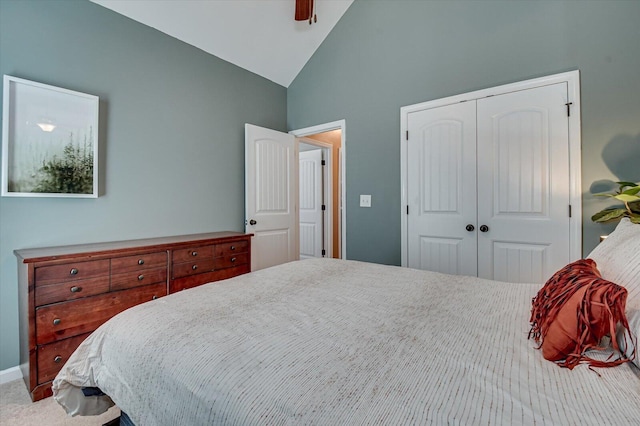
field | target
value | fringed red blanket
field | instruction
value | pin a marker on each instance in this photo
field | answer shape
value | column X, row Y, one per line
column 574, row 310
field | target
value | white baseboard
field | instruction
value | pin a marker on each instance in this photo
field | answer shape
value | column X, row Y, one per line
column 10, row 374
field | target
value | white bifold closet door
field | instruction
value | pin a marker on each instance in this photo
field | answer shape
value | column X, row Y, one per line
column 441, row 189
column 488, row 186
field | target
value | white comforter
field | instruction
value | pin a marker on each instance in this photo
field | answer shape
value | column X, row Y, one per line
column 332, row 342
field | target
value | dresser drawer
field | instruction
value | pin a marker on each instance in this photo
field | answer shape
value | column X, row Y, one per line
column 71, row 271
column 138, row 262
column 46, row 294
column 52, row 357
column 67, row 319
column 208, row 277
column 192, row 268
column 192, row 254
column 227, row 249
column 231, row 260
column 138, row 278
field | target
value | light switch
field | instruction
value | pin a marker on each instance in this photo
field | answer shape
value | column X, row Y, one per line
column 365, row 200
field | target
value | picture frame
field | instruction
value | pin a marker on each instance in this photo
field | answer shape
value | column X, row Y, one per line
column 49, row 141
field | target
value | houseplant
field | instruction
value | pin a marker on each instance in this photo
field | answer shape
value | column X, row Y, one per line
column 627, row 193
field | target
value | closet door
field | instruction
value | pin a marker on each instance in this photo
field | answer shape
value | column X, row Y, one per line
column 441, row 189
column 523, row 184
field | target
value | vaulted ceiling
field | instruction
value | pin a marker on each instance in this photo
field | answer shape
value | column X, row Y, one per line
column 258, row 35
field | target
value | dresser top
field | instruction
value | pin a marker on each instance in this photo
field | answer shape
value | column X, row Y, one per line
column 60, row 252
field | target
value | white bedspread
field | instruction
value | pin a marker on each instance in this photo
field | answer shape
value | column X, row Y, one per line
column 331, row 342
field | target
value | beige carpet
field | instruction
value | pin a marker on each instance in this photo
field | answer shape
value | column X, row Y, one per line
column 17, row 409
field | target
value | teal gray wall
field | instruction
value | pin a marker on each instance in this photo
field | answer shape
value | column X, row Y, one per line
column 383, row 55
column 171, row 134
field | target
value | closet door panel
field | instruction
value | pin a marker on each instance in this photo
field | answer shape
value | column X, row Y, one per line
column 523, row 181
column 442, row 189
column 517, row 262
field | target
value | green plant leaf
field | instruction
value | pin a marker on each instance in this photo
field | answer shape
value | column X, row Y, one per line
column 632, row 191
column 608, row 215
column 627, row 198
column 625, row 184
column 629, row 194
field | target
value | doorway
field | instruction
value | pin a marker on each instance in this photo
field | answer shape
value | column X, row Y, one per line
column 271, row 191
column 314, row 204
column 330, row 139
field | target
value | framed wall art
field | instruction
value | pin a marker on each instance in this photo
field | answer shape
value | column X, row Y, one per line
column 49, row 141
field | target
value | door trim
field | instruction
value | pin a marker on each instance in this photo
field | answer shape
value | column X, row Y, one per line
column 334, row 125
column 572, row 78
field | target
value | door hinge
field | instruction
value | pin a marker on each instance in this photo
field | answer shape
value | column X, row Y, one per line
column 324, row 163
column 324, row 207
column 569, row 210
column 407, row 135
column 324, row 252
column 568, row 104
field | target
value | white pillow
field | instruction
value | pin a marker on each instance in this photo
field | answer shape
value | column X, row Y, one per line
column 626, row 342
column 618, row 259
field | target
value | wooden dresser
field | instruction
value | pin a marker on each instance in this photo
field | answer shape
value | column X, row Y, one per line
column 67, row 292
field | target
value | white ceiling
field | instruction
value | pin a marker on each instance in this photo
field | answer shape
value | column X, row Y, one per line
column 258, row 35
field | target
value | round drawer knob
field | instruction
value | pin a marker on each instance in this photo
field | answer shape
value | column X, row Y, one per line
column 141, row 262
column 194, row 267
column 57, row 321
column 140, row 277
column 57, row 359
column 232, row 247
column 484, row 228
column 73, row 271
column 233, row 259
column 75, row 289
column 154, row 297
column 194, row 253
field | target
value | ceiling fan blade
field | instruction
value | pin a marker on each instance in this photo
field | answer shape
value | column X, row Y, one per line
column 304, row 10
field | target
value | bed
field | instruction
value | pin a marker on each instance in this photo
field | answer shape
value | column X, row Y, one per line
column 325, row 341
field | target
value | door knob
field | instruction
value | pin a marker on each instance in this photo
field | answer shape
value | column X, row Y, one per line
column 252, row 222
column 470, row 227
column 484, row 228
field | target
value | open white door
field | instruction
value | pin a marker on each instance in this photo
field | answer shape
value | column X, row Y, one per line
column 311, row 204
column 271, row 186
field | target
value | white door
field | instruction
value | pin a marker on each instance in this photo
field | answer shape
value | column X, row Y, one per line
column 271, row 176
column 311, row 202
column 523, row 184
column 441, row 189
column 489, row 179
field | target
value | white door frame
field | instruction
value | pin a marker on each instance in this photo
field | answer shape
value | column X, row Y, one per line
column 572, row 78
column 334, row 125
